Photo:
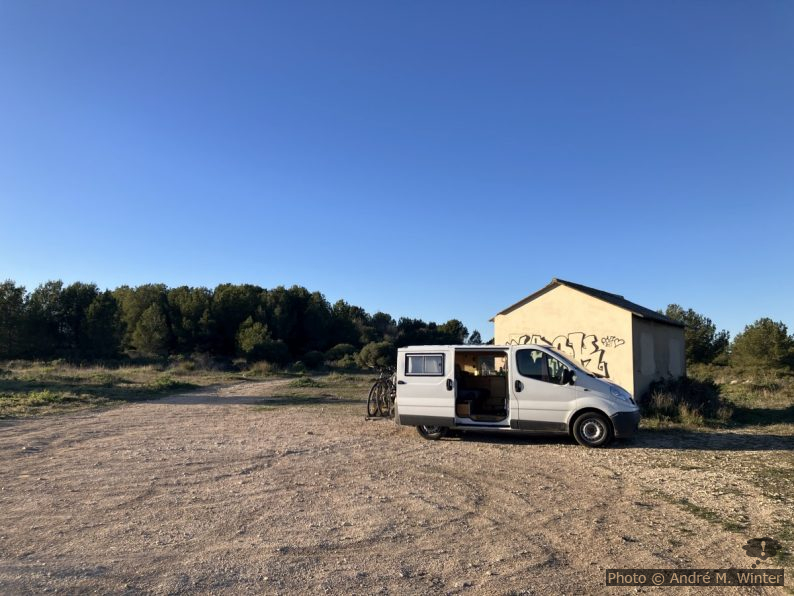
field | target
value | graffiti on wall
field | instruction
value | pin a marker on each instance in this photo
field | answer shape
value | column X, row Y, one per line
column 611, row 341
column 578, row 346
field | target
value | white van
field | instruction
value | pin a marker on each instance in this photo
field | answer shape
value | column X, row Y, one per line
column 526, row 388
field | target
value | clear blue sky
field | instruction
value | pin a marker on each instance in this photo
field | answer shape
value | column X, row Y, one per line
column 428, row 159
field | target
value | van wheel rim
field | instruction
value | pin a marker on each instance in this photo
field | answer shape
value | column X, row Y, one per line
column 431, row 429
column 592, row 430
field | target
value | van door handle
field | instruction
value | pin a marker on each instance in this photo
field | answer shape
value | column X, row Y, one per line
column 401, row 382
column 519, row 385
column 449, row 384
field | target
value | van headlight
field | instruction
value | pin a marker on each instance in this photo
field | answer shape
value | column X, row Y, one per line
column 620, row 394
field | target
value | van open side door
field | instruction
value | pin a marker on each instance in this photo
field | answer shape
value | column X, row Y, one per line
column 426, row 386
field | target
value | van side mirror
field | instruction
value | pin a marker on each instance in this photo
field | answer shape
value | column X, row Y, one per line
column 568, row 377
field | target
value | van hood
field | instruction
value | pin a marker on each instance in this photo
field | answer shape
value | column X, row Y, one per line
column 601, row 383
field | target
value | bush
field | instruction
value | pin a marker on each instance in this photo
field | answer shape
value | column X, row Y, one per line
column 764, row 344
column 305, row 382
column 263, row 368
column 684, row 399
column 374, row 354
column 339, row 351
column 105, row 379
column 181, row 363
column 252, row 338
column 313, row 359
column 42, row 398
column 347, row 361
column 166, row 383
column 207, row 362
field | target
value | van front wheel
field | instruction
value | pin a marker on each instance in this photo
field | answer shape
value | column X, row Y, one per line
column 432, row 433
column 592, row 429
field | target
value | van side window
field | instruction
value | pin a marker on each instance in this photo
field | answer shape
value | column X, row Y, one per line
column 537, row 365
column 530, row 364
column 424, row 364
column 556, row 369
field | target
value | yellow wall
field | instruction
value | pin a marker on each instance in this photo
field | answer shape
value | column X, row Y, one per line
column 592, row 332
column 468, row 361
column 659, row 353
column 605, row 339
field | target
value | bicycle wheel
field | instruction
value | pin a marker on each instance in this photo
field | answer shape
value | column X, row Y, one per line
column 388, row 399
column 392, row 399
column 373, row 401
column 384, row 400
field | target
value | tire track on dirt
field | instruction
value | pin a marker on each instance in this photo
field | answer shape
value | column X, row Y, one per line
column 205, row 493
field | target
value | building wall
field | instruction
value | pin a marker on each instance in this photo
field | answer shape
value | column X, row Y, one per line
column 659, row 353
column 592, row 332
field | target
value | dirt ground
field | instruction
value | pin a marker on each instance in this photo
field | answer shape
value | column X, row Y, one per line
column 239, row 490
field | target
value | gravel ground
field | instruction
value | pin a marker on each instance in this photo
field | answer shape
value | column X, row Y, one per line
column 237, row 490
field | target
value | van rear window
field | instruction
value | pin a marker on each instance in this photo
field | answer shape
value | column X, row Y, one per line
column 424, row 364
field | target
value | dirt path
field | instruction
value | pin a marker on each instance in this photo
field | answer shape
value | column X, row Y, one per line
column 211, row 492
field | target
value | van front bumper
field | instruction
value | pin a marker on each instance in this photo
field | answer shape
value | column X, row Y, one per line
column 626, row 424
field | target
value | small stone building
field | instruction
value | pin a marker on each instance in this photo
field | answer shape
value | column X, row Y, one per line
column 605, row 333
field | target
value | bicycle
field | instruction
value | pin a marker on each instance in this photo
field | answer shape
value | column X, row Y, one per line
column 380, row 401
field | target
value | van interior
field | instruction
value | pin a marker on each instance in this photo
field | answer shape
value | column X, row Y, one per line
column 481, row 386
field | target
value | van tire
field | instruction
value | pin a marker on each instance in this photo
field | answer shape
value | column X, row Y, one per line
column 593, row 429
column 431, row 433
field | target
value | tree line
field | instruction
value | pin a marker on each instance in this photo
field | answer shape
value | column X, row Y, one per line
column 281, row 325
column 764, row 343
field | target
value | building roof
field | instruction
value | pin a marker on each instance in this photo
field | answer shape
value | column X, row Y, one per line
column 613, row 299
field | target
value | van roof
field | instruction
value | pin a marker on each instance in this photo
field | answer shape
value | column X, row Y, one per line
column 479, row 347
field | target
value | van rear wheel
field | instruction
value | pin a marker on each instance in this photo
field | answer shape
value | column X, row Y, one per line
column 432, row 433
column 592, row 429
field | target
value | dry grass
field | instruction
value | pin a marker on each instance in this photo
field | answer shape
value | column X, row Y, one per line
column 33, row 388
column 747, row 399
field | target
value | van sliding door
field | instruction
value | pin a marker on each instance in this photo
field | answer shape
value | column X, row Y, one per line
column 426, row 388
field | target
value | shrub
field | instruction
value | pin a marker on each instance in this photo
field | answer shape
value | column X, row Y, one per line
column 374, row 354
column 207, row 362
column 339, row 351
column 166, row 383
column 104, row 379
column 347, row 361
column 252, row 337
column 684, row 400
column 305, row 382
column 180, row 363
column 263, row 368
column 313, row 359
column 202, row 360
column 42, row 398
